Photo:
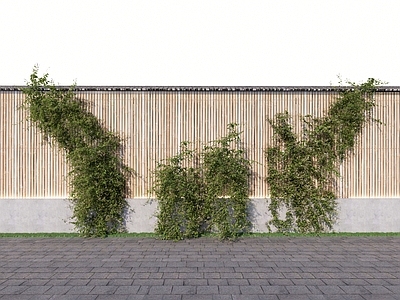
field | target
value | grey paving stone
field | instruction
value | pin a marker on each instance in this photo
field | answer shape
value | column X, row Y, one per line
column 57, row 282
column 103, row 290
column 80, row 290
column 270, row 275
column 140, row 275
column 184, row 290
column 381, row 297
column 249, row 297
column 127, row 290
column 32, row 282
column 60, row 275
column 93, row 282
column 112, row 297
column 196, row 297
column 36, row 290
column 232, row 275
column 230, row 290
column 307, row 282
column 280, row 282
column 114, row 275
column 144, row 290
column 118, row 282
column 135, row 297
column 355, row 281
column 330, row 268
column 194, row 282
column 148, row 282
column 16, row 297
column 355, row 289
column 190, row 275
column 155, row 275
column 275, row 290
column 251, row 290
column 74, row 297
column 394, row 288
column 377, row 281
column 333, row 281
column 222, row 297
column 41, row 297
column 78, row 282
column 173, row 282
column 160, row 290
column 172, row 297
column 10, row 282
column 377, row 289
column 217, row 281
column 58, row 290
column 13, row 290
column 80, row 275
column 294, row 297
column 298, row 290
column 240, row 282
column 210, row 275
column 331, row 290
column 207, row 290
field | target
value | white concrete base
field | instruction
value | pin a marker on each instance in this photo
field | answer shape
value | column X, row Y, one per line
column 35, row 215
column 53, row 215
column 368, row 215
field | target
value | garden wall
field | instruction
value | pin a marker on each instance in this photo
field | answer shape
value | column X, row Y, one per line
column 155, row 120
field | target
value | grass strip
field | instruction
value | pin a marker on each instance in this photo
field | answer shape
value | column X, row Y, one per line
column 247, row 235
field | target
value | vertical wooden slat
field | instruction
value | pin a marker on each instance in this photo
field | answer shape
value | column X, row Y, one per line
column 154, row 123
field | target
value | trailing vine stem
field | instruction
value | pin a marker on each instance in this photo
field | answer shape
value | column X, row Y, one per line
column 98, row 177
column 302, row 170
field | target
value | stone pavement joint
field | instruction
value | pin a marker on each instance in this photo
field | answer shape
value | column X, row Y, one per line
column 251, row 268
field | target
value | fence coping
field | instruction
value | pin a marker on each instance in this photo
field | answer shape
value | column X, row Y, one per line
column 209, row 88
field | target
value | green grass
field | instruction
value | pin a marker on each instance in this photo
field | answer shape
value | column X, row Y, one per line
column 68, row 235
column 332, row 234
column 38, row 235
column 247, row 235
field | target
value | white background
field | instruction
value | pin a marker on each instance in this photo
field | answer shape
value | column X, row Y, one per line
column 207, row 42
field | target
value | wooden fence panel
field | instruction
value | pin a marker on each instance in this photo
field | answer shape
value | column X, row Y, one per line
column 154, row 122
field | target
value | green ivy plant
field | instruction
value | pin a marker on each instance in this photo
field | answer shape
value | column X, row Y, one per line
column 179, row 189
column 302, row 170
column 226, row 177
column 204, row 191
column 98, row 177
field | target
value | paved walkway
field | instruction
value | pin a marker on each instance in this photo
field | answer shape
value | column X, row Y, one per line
column 251, row 268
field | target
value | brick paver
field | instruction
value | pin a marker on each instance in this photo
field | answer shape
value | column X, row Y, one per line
column 206, row 268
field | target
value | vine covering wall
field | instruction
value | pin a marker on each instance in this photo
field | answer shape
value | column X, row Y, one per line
column 204, row 190
column 302, row 169
column 98, row 176
column 153, row 123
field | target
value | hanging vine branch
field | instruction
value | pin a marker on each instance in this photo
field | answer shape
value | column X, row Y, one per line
column 302, row 171
column 98, row 176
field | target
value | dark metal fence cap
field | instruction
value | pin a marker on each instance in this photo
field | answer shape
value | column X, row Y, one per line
column 209, row 88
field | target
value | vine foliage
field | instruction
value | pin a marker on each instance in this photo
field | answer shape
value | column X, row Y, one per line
column 204, row 191
column 302, row 170
column 98, row 177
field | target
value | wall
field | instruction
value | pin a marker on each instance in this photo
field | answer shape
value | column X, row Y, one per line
column 53, row 215
column 155, row 120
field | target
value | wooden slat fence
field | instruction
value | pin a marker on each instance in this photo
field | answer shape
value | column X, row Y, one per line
column 155, row 121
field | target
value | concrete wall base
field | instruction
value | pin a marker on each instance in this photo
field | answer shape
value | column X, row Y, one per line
column 24, row 215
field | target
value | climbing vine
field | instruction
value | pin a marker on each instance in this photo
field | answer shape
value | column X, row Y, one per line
column 226, row 176
column 302, row 170
column 204, row 191
column 98, row 176
column 179, row 189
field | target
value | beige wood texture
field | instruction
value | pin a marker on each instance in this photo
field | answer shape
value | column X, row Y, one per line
column 154, row 123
